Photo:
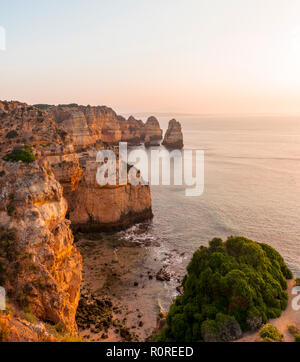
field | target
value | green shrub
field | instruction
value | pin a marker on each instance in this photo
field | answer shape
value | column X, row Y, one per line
column 29, row 316
column 23, row 154
column 12, row 134
column 293, row 329
column 270, row 333
column 42, row 106
column 230, row 287
column 2, row 173
column 297, row 337
column 59, row 328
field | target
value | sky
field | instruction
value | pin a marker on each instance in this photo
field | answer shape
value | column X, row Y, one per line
column 193, row 56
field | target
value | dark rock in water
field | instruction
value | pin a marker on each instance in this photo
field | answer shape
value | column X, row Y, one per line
column 125, row 334
column 179, row 289
column 162, row 275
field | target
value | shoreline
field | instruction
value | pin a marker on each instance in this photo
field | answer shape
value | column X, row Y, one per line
column 122, row 276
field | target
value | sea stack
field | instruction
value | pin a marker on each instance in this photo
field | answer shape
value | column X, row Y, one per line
column 153, row 132
column 173, row 138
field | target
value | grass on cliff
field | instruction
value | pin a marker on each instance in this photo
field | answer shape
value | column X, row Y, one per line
column 11, row 134
column 230, row 287
column 270, row 333
column 23, row 154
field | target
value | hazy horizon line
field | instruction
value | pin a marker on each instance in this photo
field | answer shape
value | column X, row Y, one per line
column 169, row 113
column 183, row 114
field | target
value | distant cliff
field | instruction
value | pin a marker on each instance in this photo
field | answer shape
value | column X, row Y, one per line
column 152, row 132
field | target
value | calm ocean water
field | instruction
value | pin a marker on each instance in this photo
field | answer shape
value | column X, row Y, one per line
column 252, row 188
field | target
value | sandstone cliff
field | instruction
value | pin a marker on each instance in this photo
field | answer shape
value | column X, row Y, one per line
column 173, row 138
column 87, row 125
column 132, row 130
column 96, row 208
column 40, row 266
column 24, row 124
column 152, row 132
column 49, row 170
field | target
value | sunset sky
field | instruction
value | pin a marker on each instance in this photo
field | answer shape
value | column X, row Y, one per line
column 193, row 56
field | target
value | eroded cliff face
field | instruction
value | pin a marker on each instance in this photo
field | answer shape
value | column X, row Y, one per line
column 50, row 139
column 41, row 265
column 152, row 132
column 132, row 130
column 98, row 208
column 24, row 124
column 173, row 138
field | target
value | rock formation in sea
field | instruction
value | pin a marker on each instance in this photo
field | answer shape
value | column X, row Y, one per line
column 23, row 124
column 131, row 130
column 173, row 138
column 152, row 132
column 97, row 208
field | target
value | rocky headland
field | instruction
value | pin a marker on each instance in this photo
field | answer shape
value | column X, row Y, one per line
column 48, row 191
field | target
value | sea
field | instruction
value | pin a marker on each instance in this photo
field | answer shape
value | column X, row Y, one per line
column 251, row 189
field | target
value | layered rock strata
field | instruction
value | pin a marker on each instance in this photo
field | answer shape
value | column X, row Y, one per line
column 173, row 138
column 98, row 208
column 35, row 127
column 23, row 124
column 40, row 266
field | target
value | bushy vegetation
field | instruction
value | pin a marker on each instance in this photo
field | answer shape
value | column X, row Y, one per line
column 7, row 251
column 23, row 154
column 71, row 105
column 230, row 287
column 42, row 106
column 270, row 333
column 12, row 134
column 295, row 332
